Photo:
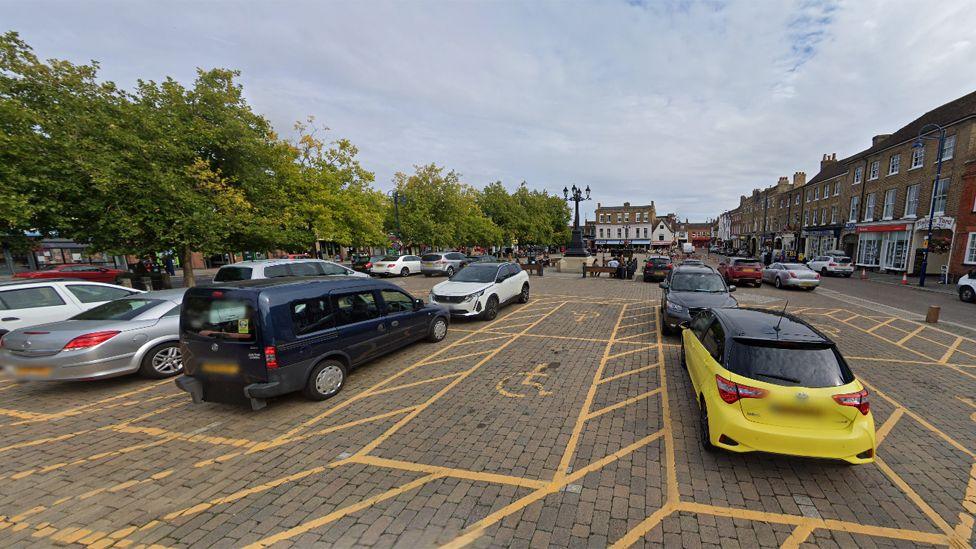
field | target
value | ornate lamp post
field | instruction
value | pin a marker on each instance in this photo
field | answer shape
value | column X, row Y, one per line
column 398, row 198
column 576, row 248
column 919, row 144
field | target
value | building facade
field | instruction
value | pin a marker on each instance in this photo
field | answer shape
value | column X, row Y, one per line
column 624, row 226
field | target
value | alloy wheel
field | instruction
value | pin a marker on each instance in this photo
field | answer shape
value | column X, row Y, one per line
column 168, row 360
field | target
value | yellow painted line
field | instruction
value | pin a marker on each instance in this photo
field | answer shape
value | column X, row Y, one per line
column 466, row 474
column 643, row 527
column 799, row 535
column 670, row 468
column 20, row 414
column 93, row 406
column 623, row 339
column 339, row 513
column 952, row 348
column 448, row 359
column 415, row 383
column 638, row 324
column 622, row 404
column 969, row 502
column 889, row 424
column 632, row 351
column 48, row 440
column 570, row 450
column 476, row 341
column 885, row 323
column 187, row 437
column 913, row 495
column 910, row 335
column 48, row 468
column 627, row 373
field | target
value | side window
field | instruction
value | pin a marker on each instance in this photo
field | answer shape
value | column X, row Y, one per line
column 397, row 302
column 700, row 323
column 305, row 268
column 311, row 315
column 412, row 258
column 714, row 341
column 175, row 311
column 276, row 271
column 455, row 256
column 357, row 307
column 516, row 269
column 95, row 294
column 332, row 269
column 30, row 298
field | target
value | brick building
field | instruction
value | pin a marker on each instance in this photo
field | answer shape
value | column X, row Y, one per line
column 619, row 226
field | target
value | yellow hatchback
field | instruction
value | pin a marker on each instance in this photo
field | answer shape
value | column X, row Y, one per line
column 767, row 381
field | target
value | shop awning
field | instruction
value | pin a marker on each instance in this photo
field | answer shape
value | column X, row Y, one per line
column 660, row 243
column 645, row 241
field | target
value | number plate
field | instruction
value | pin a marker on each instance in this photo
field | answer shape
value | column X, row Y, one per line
column 34, row 371
column 221, row 369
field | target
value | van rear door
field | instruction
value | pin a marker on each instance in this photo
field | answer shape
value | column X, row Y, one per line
column 221, row 336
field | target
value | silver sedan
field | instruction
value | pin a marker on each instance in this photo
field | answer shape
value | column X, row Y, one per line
column 138, row 333
column 791, row 275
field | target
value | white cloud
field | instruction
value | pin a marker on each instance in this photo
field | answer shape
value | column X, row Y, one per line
column 689, row 104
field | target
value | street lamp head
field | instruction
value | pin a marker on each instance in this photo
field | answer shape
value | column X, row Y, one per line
column 565, row 193
column 587, row 192
column 918, row 144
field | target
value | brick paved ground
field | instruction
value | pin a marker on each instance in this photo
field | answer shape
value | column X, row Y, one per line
column 565, row 422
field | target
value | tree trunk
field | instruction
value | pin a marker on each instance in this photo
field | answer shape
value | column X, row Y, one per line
column 189, row 279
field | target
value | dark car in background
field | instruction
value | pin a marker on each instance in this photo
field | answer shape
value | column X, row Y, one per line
column 657, row 267
column 690, row 289
column 363, row 262
column 249, row 341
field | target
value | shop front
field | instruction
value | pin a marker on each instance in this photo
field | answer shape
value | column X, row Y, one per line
column 943, row 230
column 883, row 246
column 820, row 241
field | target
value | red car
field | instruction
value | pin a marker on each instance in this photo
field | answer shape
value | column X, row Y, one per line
column 741, row 269
column 93, row 273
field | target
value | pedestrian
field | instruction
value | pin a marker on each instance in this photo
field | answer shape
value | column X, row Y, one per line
column 169, row 265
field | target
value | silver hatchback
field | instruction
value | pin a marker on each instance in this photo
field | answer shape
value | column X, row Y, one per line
column 445, row 263
column 138, row 333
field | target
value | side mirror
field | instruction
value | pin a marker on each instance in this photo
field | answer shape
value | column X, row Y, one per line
column 418, row 304
column 684, row 324
column 731, row 288
column 663, row 285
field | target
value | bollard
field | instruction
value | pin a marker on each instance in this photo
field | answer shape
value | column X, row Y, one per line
column 932, row 317
column 584, row 270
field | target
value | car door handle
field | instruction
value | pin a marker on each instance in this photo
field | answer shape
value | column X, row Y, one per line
column 9, row 319
column 395, row 323
column 381, row 328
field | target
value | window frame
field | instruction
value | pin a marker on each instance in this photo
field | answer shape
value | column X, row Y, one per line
column 888, row 208
column 874, row 171
column 853, row 214
column 945, row 195
column 870, row 201
column 5, row 307
column 918, row 157
column 910, row 201
column 894, row 164
column 950, row 144
column 858, row 175
column 969, row 253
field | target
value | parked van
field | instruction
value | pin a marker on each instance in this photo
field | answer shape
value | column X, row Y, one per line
column 244, row 342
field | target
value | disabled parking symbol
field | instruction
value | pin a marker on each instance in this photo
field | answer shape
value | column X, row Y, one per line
column 585, row 315
column 530, row 384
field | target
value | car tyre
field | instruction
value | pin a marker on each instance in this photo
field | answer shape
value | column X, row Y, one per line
column 164, row 360
column 664, row 325
column 438, row 330
column 524, row 294
column 823, row 271
column 405, row 271
column 450, row 272
column 703, row 428
column 428, row 275
column 491, row 309
column 967, row 294
column 778, row 284
column 684, row 362
column 326, row 380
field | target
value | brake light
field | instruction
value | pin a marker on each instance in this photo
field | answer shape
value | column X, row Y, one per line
column 857, row 400
column 818, row 276
column 368, row 265
column 731, row 391
column 792, row 274
column 270, row 357
column 831, row 264
column 217, row 294
column 391, row 265
column 670, row 265
column 90, row 340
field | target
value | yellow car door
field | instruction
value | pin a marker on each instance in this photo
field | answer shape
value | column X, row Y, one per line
column 697, row 356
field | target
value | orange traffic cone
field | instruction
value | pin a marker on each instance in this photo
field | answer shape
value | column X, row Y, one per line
column 904, row 279
column 864, row 274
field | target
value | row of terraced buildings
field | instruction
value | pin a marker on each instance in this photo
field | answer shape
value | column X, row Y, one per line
column 875, row 205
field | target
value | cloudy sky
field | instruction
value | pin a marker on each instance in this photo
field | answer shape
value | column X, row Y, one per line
column 689, row 104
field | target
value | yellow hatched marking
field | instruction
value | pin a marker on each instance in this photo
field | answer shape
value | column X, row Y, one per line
column 885, row 323
column 889, row 424
column 628, row 373
column 632, row 351
column 799, row 535
column 913, row 495
column 622, row 404
column 479, row 476
column 644, row 527
column 415, row 383
column 187, row 437
column 952, row 348
column 910, row 335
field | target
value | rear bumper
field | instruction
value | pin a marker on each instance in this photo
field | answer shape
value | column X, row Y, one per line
column 60, row 367
column 752, row 277
column 433, row 270
column 840, row 270
column 205, row 389
column 800, row 283
column 844, row 444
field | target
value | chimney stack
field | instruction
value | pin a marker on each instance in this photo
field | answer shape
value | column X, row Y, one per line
column 879, row 138
column 800, row 179
column 827, row 160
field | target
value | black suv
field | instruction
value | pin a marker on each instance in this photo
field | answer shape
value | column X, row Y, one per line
column 688, row 289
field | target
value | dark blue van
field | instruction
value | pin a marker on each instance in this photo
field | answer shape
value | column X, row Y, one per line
column 251, row 340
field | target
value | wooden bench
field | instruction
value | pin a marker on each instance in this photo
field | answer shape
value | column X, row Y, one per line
column 529, row 267
column 595, row 270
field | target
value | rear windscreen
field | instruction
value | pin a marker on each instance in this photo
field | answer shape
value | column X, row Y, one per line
column 843, row 260
column 745, row 263
column 793, row 366
column 659, row 262
column 120, row 309
column 219, row 318
column 431, row 257
column 233, row 274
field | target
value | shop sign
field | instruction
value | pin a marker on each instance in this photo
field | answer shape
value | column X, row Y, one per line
column 938, row 222
column 882, row 228
column 850, row 226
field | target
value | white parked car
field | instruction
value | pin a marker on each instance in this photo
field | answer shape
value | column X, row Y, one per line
column 275, row 268
column 396, row 265
column 967, row 287
column 480, row 289
column 837, row 265
column 26, row 303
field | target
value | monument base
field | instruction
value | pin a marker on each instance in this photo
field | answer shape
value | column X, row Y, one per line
column 574, row 264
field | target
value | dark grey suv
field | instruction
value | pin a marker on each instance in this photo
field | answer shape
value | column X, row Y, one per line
column 445, row 263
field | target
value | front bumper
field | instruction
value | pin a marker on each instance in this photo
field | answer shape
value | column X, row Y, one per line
column 674, row 319
column 464, row 309
column 844, row 444
column 64, row 367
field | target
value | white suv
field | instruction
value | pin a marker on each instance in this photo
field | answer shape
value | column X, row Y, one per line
column 837, row 265
column 480, row 289
column 967, row 287
column 275, row 268
column 26, row 303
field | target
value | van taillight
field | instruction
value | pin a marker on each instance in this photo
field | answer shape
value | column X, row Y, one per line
column 857, row 400
column 270, row 357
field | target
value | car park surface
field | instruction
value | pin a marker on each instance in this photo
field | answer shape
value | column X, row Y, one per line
column 564, row 422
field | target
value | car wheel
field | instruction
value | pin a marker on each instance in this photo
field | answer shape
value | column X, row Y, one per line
column 161, row 361
column 450, row 272
column 848, row 275
column 967, row 294
column 524, row 294
column 428, row 275
column 778, row 283
column 491, row 309
column 703, row 429
column 664, row 325
column 823, row 271
column 404, row 271
column 438, row 330
column 326, row 380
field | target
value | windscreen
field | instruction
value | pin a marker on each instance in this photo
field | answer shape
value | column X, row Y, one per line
column 476, row 273
column 802, row 366
column 745, row 263
column 120, row 309
column 233, row 274
column 431, row 257
column 390, row 258
column 697, row 282
column 218, row 318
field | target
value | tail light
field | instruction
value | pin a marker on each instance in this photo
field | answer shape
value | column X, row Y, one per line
column 818, row 276
column 368, row 265
column 857, row 400
column 831, row 264
column 731, row 391
column 792, row 274
column 670, row 265
column 271, row 357
column 1, row 340
column 90, row 340
column 391, row 265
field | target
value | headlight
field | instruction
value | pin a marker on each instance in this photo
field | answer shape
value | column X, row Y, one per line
column 674, row 307
column 473, row 296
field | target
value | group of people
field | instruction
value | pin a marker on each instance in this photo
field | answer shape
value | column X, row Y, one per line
column 625, row 268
